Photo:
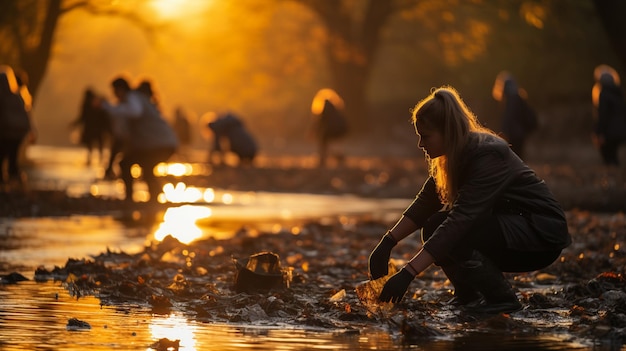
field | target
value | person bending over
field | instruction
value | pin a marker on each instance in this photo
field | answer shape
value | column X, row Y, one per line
column 482, row 211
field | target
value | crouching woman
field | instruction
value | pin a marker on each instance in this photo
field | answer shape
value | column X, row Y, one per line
column 482, row 211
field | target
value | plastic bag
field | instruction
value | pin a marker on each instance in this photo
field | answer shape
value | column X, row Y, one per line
column 369, row 291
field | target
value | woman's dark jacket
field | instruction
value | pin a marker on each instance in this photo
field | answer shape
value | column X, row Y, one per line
column 494, row 180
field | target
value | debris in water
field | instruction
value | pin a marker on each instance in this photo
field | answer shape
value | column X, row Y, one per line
column 262, row 272
column 338, row 296
column 74, row 324
column 369, row 291
column 12, row 278
column 165, row 344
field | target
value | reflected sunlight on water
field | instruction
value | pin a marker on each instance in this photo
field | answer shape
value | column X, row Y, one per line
column 174, row 327
column 217, row 213
column 34, row 316
column 30, row 242
column 181, row 223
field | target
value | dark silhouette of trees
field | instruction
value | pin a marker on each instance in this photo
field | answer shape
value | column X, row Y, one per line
column 352, row 46
column 27, row 33
column 27, row 29
column 612, row 14
column 355, row 32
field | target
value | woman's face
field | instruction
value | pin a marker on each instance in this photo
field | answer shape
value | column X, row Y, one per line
column 430, row 140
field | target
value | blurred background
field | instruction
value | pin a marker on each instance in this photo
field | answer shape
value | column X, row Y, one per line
column 266, row 59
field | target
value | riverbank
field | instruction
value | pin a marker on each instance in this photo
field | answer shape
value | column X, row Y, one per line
column 580, row 297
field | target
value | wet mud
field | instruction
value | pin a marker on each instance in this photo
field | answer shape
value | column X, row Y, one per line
column 581, row 296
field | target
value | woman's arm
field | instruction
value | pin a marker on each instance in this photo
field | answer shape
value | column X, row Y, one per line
column 132, row 107
column 419, row 262
column 403, row 228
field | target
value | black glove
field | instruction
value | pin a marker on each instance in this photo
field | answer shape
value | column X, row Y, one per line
column 396, row 286
column 379, row 258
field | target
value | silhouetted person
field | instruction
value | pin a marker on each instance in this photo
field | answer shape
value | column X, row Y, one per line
column 329, row 123
column 145, row 87
column 94, row 123
column 15, row 126
column 149, row 139
column 519, row 119
column 609, row 131
column 230, row 135
column 182, row 127
column 119, row 140
column 22, row 82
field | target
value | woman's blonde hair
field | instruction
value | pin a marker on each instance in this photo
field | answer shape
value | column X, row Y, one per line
column 444, row 111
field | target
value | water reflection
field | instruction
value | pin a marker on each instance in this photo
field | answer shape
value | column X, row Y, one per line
column 181, row 193
column 181, row 223
column 26, row 243
column 204, row 212
column 174, row 328
column 34, row 317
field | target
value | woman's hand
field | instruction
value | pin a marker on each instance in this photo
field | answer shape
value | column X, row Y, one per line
column 396, row 286
column 379, row 258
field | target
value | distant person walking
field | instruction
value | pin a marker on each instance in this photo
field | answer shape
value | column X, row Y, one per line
column 146, row 87
column 94, row 125
column 22, row 83
column 231, row 135
column 15, row 126
column 148, row 138
column 609, row 130
column 329, row 122
column 519, row 119
column 182, row 127
column 118, row 144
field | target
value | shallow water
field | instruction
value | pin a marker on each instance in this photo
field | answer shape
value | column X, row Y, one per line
column 34, row 315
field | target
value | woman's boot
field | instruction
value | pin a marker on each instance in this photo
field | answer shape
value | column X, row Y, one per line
column 487, row 278
column 464, row 292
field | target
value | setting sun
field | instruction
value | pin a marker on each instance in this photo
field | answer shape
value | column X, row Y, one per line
column 178, row 8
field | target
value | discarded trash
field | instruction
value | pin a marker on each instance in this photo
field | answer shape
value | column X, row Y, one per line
column 165, row 344
column 338, row 296
column 369, row 291
column 262, row 272
column 76, row 324
column 12, row 278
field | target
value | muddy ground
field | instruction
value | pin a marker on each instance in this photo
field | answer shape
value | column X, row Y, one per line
column 583, row 294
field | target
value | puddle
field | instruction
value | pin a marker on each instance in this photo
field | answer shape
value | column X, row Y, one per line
column 34, row 316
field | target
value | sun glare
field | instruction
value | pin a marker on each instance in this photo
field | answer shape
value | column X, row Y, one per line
column 170, row 9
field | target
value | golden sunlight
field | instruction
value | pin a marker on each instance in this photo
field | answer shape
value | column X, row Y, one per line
column 180, row 223
column 180, row 193
column 171, row 9
column 174, row 327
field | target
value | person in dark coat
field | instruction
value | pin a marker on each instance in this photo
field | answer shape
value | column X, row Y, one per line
column 15, row 126
column 482, row 211
column 609, row 131
column 94, row 125
column 231, row 135
column 329, row 122
column 519, row 119
column 147, row 137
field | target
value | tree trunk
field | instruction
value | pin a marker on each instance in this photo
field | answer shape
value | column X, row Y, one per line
column 35, row 60
column 612, row 14
column 350, row 52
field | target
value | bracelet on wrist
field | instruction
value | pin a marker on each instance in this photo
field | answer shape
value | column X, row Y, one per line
column 409, row 267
